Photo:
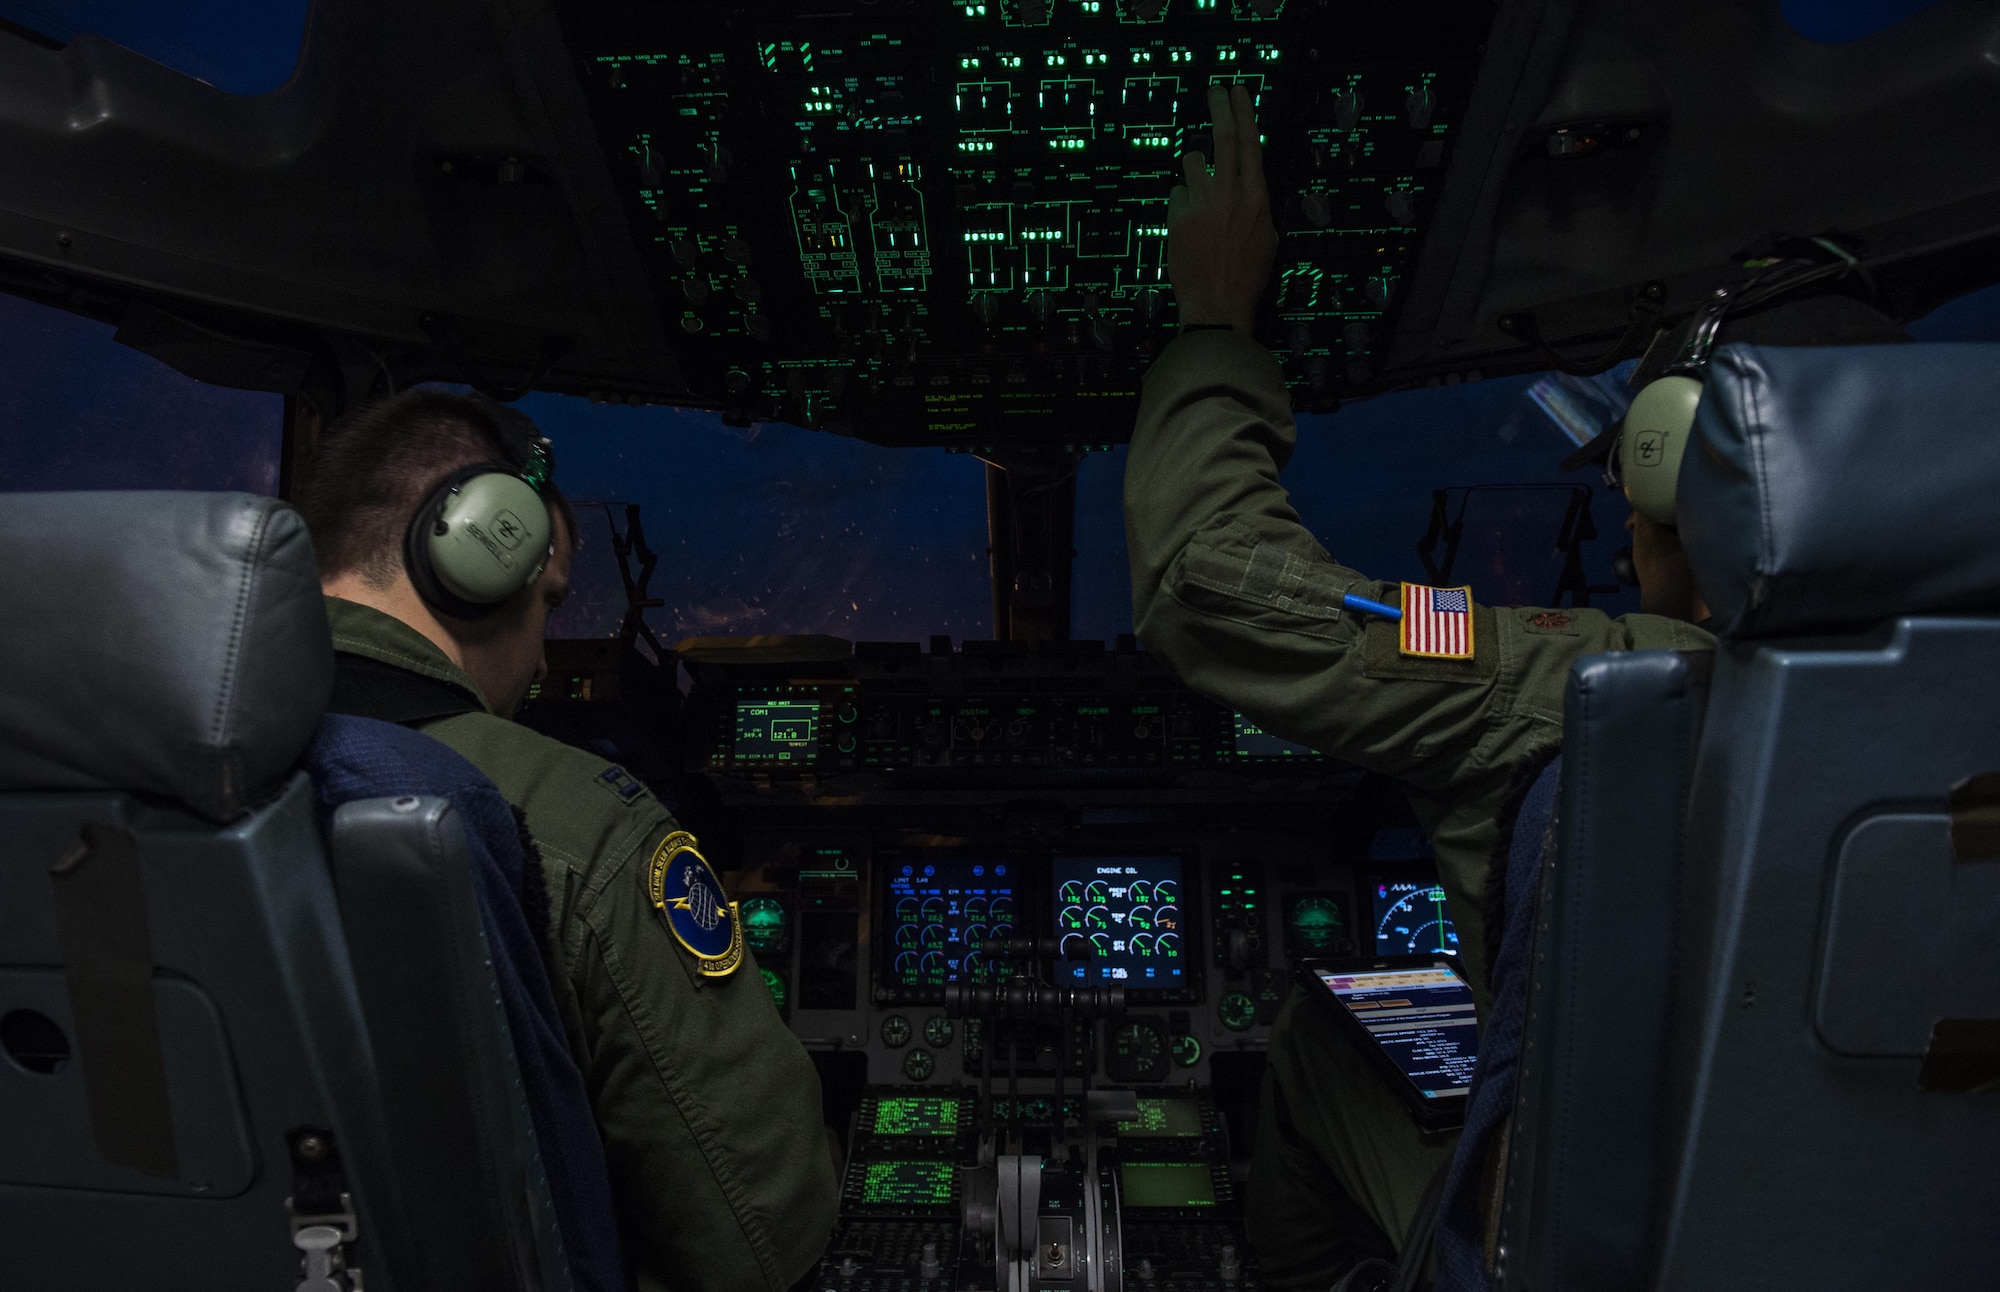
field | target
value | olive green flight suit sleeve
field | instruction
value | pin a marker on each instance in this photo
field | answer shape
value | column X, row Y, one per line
column 1232, row 590
column 709, row 1107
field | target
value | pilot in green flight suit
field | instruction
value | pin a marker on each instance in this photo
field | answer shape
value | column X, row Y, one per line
column 1232, row 589
column 708, row 1107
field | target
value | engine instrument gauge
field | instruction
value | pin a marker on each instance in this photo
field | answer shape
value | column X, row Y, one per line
column 1128, row 916
column 1137, row 1051
column 895, row 1031
column 1237, row 1011
column 918, row 1065
column 938, row 1031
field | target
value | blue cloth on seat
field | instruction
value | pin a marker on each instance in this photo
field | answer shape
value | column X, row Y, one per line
column 1460, row 1244
column 360, row 758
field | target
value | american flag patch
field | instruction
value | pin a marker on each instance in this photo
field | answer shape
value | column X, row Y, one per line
column 1437, row 622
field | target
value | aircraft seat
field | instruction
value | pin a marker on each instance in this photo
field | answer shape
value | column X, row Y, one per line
column 240, row 1046
column 1764, row 1002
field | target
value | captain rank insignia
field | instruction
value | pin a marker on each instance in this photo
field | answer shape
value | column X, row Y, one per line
column 684, row 889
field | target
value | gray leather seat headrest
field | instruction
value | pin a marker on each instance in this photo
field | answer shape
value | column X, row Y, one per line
column 1840, row 486
column 169, row 643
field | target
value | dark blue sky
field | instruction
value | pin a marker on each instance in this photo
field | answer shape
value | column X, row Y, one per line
column 776, row 529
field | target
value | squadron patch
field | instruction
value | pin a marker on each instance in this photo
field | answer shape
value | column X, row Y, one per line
column 1437, row 622
column 683, row 887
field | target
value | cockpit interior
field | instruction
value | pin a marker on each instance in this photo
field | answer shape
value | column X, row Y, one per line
column 837, row 313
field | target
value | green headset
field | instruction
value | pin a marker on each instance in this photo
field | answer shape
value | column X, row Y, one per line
column 1648, row 444
column 484, row 533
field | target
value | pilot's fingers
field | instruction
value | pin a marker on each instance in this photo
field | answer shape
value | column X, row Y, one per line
column 1194, row 171
column 1177, row 205
column 1249, row 152
column 1225, row 136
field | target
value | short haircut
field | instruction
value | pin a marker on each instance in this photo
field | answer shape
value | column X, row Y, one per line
column 376, row 466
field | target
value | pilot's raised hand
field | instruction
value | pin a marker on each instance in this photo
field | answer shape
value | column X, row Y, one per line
column 1220, row 240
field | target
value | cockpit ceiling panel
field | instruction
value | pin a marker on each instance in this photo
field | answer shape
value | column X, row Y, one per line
column 946, row 222
column 939, row 221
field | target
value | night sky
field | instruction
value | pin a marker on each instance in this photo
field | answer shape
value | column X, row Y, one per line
column 773, row 528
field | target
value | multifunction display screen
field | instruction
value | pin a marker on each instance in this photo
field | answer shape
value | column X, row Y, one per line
column 1166, row 1184
column 906, row 1183
column 1423, row 1019
column 1410, row 920
column 916, row 1115
column 1119, row 920
column 777, row 729
column 938, row 913
column 1164, row 1119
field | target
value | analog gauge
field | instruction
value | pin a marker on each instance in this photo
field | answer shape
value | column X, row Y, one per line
column 907, row 909
column 975, row 936
column 975, row 908
column 1166, row 918
column 906, row 967
column 932, row 967
column 1074, row 946
column 937, row 1031
column 1003, row 909
column 1137, row 1052
column 776, row 985
column 1140, row 891
column 1140, row 917
column 1097, row 891
column 1097, row 917
column 1071, row 917
column 906, row 937
column 934, row 910
column 1101, row 943
column 1237, row 1011
column 918, row 1065
column 1070, row 893
column 999, row 931
column 1037, row 1110
column 1187, row 1050
column 764, row 924
column 1166, row 891
column 973, row 966
column 1417, row 925
column 1316, row 923
column 1167, row 944
column 1141, row 944
column 895, row 1031
column 933, row 936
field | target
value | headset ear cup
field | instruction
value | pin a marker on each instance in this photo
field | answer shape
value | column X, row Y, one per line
column 1657, row 429
column 481, row 537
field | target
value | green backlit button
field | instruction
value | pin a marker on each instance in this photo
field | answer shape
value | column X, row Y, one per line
column 896, row 1031
column 937, row 1031
column 1237, row 1011
column 1186, row 1050
column 918, row 1065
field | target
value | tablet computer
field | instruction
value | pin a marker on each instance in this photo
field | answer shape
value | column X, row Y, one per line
column 1413, row 1016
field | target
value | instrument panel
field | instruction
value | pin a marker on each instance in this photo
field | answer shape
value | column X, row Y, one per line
column 996, row 890
column 944, row 221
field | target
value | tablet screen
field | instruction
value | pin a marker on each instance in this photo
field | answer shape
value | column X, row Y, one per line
column 1422, row 1017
